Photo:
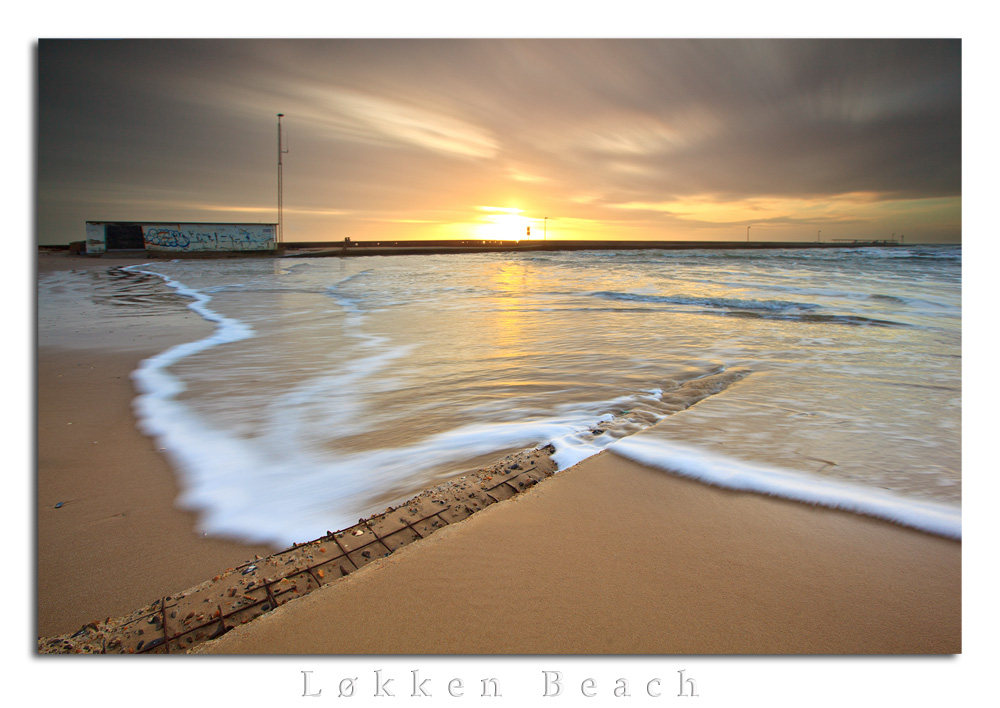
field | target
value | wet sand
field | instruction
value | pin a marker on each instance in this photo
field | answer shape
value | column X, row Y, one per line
column 607, row 557
column 118, row 541
column 611, row 557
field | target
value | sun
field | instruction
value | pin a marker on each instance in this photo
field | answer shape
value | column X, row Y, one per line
column 507, row 224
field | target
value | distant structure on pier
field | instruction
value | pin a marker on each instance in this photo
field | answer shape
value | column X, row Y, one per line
column 867, row 241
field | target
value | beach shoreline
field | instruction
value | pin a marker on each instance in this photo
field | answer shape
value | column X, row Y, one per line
column 750, row 574
column 611, row 557
column 109, row 535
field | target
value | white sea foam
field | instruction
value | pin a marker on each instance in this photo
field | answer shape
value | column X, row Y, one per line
column 728, row 472
column 276, row 487
column 151, row 377
column 159, row 414
column 260, row 490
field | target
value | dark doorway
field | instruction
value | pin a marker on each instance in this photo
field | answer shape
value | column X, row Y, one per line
column 123, row 237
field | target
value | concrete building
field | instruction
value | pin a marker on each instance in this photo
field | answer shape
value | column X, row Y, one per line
column 176, row 239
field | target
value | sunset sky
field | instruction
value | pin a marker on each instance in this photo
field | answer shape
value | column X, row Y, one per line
column 421, row 138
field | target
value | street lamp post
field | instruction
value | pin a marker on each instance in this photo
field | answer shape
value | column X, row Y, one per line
column 748, row 234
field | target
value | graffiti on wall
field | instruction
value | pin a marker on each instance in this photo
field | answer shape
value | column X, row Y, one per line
column 166, row 238
column 209, row 237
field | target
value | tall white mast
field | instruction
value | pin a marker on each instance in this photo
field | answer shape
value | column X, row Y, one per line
column 280, row 206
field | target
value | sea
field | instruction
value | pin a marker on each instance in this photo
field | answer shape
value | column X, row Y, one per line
column 330, row 389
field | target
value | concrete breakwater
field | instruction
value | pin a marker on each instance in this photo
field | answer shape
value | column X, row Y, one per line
column 398, row 248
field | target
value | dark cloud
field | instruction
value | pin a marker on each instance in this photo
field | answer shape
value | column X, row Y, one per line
column 429, row 129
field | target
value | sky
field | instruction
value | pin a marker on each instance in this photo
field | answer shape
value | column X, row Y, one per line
column 485, row 138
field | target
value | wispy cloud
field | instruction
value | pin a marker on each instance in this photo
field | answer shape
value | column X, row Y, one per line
column 355, row 115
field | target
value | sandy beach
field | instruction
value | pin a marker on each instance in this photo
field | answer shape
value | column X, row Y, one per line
column 608, row 557
column 117, row 541
column 611, row 557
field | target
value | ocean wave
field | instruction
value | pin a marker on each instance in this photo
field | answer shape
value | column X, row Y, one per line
column 758, row 309
column 921, row 253
column 819, row 318
column 711, row 302
column 319, row 448
column 717, row 470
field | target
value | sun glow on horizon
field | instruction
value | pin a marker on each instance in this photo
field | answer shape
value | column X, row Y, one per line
column 507, row 224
